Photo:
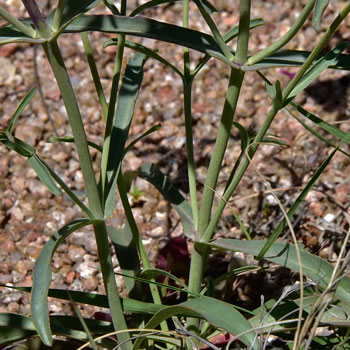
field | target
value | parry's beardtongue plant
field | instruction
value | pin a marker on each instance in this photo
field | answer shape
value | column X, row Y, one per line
column 203, row 320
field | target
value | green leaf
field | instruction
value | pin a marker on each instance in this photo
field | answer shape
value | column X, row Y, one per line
column 129, row 90
column 218, row 313
column 42, row 278
column 128, row 257
column 321, row 123
column 10, row 34
column 148, row 52
column 317, row 68
column 244, row 135
column 319, row 270
column 73, row 9
column 43, row 174
column 23, row 104
column 295, row 58
column 149, row 28
column 275, row 93
column 320, row 7
column 210, row 8
column 18, row 146
column 70, row 139
column 158, row 272
column 153, row 175
column 141, row 137
column 149, row 4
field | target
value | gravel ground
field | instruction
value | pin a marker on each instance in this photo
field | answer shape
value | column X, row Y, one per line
column 29, row 214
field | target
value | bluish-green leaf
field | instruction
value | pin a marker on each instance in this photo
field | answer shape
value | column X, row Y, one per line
column 295, row 58
column 23, row 104
column 129, row 90
column 149, row 4
column 317, row 68
column 99, row 300
column 43, row 174
column 10, row 34
column 244, row 135
column 218, row 313
column 153, row 175
column 320, row 7
column 149, row 28
column 70, row 139
column 42, row 278
column 319, row 270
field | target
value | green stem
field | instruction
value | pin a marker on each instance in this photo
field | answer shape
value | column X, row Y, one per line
column 243, row 32
column 18, row 24
column 187, row 87
column 54, row 56
column 199, row 256
column 232, row 94
column 286, row 38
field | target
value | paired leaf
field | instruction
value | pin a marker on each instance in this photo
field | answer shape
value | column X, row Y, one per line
column 153, row 175
column 319, row 270
column 42, row 278
column 218, row 313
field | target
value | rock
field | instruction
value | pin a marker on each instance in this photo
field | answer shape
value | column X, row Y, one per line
column 76, row 253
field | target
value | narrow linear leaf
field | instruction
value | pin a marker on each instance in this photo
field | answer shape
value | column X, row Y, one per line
column 317, row 68
column 10, row 34
column 319, row 270
column 148, row 28
column 129, row 90
column 128, row 257
column 149, row 4
column 22, row 105
column 244, row 135
column 43, row 174
column 70, row 139
column 218, row 313
column 295, row 58
column 321, row 123
column 42, row 278
column 152, row 174
column 141, row 137
column 158, row 272
column 18, row 146
column 129, row 305
column 143, row 49
column 315, row 133
column 320, row 7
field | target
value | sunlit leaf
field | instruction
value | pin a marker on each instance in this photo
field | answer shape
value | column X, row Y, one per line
column 320, row 7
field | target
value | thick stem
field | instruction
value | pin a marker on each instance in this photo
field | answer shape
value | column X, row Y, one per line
column 57, row 64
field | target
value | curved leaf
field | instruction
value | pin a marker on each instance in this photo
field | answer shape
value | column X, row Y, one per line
column 10, row 34
column 317, row 68
column 129, row 305
column 149, row 28
column 149, row 4
column 319, row 270
column 320, row 7
column 42, row 278
column 295, row 58
column 153, row 175
column 43, row 174
column 218, row 313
